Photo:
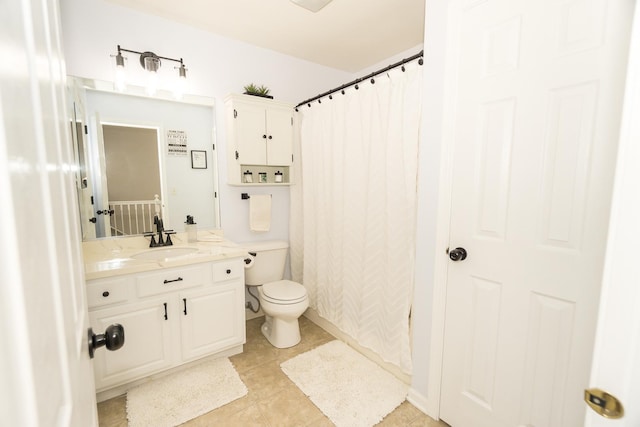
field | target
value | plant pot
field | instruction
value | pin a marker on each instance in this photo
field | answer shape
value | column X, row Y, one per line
column 260, row 95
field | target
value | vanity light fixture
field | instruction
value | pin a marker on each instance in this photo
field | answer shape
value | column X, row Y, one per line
column 151, row 63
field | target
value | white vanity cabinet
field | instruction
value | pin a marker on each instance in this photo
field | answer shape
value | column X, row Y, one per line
column 170, row 316
column 260, row 135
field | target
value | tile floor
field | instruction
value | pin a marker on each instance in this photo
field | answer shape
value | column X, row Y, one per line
column 273, row 400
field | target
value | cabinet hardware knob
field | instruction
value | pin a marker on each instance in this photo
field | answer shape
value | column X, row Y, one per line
column 179, row 279
column 166, row 317
column 184, row 300
column 270, row 137
column 228, row 271
column 105, row 294
column 264, row 136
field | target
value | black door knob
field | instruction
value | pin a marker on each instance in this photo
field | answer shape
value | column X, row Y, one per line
column 113, row 339
column 458, row 254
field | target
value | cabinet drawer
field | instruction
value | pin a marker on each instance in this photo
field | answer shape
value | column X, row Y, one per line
column 104, row 292
column 169, row 280
column 227, row 270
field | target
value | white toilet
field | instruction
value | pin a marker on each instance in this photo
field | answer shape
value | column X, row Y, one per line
column 282, row 301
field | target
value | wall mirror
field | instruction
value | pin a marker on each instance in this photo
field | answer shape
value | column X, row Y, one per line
column 134, row 156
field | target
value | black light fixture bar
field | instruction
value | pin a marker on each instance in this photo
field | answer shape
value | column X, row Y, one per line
column 121, row 49
column 361, row 79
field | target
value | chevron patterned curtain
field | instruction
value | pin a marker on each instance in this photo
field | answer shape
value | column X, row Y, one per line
column 353, row 210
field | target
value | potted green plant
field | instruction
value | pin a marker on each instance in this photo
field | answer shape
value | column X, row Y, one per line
column 254, row 90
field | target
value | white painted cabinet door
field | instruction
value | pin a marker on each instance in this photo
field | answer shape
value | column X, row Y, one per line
column 148, row 338
column 279, row 137
column 263, row 132
column 211, row 319
column 534, row 122
column 250, row 133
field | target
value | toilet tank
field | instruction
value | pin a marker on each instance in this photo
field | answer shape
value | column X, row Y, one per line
column 268, row 264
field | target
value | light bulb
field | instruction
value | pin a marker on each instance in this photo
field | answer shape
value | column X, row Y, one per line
column 121, row 77
column 180, row 85
column 152, row 83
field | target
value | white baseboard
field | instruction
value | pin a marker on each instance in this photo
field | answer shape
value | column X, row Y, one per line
column 421, row 402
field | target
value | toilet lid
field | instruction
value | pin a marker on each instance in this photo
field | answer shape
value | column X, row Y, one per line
column 284, row 290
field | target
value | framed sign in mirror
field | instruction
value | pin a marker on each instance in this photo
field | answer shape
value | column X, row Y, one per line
column 198, row 159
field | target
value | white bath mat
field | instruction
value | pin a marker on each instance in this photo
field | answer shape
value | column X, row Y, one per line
column 179, row 397
column 347, row 387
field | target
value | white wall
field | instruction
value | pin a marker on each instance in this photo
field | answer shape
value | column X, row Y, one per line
column 92, row 29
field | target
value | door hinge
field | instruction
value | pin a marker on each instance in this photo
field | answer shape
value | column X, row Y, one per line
column 291, row 121
column 86, row 130
column 292, row 158
column 91, row 199
column 215, row 194
column 237, row 155
column 235, row 114
column 214, row 147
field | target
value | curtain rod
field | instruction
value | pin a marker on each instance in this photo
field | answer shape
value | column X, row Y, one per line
column 369, row 76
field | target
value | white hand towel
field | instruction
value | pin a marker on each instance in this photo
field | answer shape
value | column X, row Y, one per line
column 260, row 212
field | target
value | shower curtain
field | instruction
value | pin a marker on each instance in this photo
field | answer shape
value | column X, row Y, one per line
column 353, row 209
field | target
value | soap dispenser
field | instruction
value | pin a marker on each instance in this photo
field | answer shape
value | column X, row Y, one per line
column 191, row 229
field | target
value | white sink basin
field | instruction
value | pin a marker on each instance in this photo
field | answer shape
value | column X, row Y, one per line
column 164, row 254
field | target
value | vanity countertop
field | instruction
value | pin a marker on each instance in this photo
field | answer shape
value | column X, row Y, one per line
column 113, row 256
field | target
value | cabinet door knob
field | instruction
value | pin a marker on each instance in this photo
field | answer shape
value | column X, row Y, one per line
column 228, row 271
column 105, row 294
column 270, row 137
column 264, row 136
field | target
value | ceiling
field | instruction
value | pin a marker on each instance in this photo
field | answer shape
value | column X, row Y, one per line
column 348, row 35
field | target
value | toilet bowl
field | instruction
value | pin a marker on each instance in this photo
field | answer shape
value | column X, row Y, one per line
column 283, row 301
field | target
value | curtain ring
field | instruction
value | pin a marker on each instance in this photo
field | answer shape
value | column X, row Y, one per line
column 402, row 68
column 342, row 91
column 420, row 61
column 356, row 86
column 330, row 96
column 373, row 81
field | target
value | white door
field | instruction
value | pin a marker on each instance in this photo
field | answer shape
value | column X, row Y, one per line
column 617, row 350
column 535, row 119
column 81, row 158
column 101, row 187
column 45, row 370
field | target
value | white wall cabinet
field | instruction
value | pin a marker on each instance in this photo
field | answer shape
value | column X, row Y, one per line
column 170, row 317
column 260, row 137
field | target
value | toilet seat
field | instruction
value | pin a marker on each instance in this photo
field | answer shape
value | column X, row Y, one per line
column 284, row 292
